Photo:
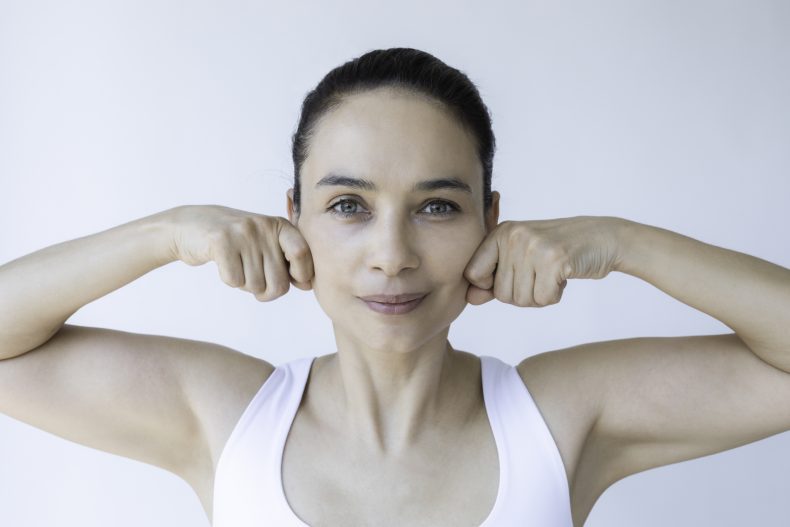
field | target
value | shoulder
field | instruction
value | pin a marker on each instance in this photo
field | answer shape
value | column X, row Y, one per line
column 218, row 397
column 566, row 400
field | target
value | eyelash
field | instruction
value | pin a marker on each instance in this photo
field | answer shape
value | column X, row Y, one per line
column 453, row 208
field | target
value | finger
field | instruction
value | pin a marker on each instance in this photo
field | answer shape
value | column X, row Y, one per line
column 548, row 289
column 275, row 269
column 304, row 286
column 297, row 252
column 503, row 284
column 482, row 265
column 254, row 279
column 523, row 282
column 477, row 296
column 230, row 266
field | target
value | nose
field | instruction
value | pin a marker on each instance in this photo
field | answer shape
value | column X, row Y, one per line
column 391, row 246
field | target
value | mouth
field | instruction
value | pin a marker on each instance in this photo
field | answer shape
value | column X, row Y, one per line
column 393, row 299
column 394, row 304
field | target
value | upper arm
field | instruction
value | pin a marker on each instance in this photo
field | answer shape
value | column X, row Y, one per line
column 670, row 399
column 165, row 401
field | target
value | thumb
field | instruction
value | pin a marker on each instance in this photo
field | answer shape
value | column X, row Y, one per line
column 477, row 296
column 480, row 269
column 296, row 250
column 304, row 286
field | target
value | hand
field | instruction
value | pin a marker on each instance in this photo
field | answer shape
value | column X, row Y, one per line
column 256, row 253
column 528, row 263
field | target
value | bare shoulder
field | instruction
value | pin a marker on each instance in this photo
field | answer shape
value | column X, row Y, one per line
column 620, row 407
column 221, row 390
column 218, row 393
column 565, row 391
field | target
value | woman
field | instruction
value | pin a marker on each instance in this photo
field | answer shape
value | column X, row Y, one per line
column 393, row 224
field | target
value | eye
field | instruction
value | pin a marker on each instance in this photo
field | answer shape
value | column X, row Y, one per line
column 344, row 213
column 450, row 208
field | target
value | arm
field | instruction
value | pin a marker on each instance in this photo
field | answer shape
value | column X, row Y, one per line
column 638, row 403
column 165, row 401
column 750, row 295
column 41, row 290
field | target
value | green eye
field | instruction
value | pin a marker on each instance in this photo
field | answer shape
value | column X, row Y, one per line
column 450, row 208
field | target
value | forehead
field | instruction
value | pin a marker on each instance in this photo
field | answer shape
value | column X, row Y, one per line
column 391, row 136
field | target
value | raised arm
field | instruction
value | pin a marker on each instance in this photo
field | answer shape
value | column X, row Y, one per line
column 165, row 401
column 638, row 403
column 41, row 290
column 748, row 294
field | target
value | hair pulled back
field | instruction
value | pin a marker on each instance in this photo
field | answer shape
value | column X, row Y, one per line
column 413, row 70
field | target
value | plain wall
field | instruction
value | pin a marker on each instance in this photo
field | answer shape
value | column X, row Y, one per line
column 674, row 114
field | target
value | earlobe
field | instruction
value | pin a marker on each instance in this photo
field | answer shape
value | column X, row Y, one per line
column 289, row 204
column 492, row 218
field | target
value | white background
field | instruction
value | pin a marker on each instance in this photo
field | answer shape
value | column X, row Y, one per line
column 674, row 114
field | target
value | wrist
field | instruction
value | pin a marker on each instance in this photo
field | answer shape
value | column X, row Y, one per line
column 161, row 228
column 624, row 234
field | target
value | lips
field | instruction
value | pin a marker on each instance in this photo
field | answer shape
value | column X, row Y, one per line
column 393, row 299
column 395, row 308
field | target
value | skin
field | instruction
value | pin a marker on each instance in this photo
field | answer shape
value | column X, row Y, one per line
column 393, row 376
column 615, row 408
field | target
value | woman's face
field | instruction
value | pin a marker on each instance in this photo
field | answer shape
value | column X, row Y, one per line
column 381, row 236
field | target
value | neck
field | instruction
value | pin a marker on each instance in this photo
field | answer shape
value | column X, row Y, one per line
column 386, row 401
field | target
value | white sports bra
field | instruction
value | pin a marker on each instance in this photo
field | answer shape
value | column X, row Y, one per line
column 533, row 488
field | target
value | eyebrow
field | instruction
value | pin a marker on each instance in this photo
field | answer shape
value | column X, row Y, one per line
column 451, row 183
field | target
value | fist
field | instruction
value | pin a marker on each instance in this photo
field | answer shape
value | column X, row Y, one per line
column 259, row 254
column 528, row 263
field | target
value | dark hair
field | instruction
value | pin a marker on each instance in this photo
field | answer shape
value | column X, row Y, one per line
column 411, row 69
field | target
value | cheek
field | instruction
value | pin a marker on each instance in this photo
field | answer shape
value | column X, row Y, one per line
column 331, row 255
column 451, row 255
column 332, row 266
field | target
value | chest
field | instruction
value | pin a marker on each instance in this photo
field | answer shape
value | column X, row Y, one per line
column 442, row 483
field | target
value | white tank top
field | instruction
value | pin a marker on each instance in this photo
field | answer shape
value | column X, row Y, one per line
column 533, row 489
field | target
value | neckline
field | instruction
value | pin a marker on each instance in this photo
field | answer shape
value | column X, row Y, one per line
column 493, row 423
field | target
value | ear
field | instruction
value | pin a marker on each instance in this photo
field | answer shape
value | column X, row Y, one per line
column 492, row 217
column 292, row 217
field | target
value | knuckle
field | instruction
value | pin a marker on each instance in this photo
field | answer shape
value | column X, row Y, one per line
column 270, row 221
column 508, row 226
column 517, row 237
column 256, row 287
column 473, row 275
column 281, row 289
column 553, row 253
column 548, row 299
column 262, row 297
column 300, row 250
column 233, row 281
column 245, row 226
column 273, row 291
column 542, row 296
column 269, row 225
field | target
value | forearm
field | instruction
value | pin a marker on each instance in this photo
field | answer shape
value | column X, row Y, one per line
column 748, row 294
column 41, row 290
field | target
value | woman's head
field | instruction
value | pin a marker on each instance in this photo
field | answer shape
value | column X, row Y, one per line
column 413, row 70
column 392, row 158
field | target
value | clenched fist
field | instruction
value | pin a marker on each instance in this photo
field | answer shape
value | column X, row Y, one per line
column 254, row 252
